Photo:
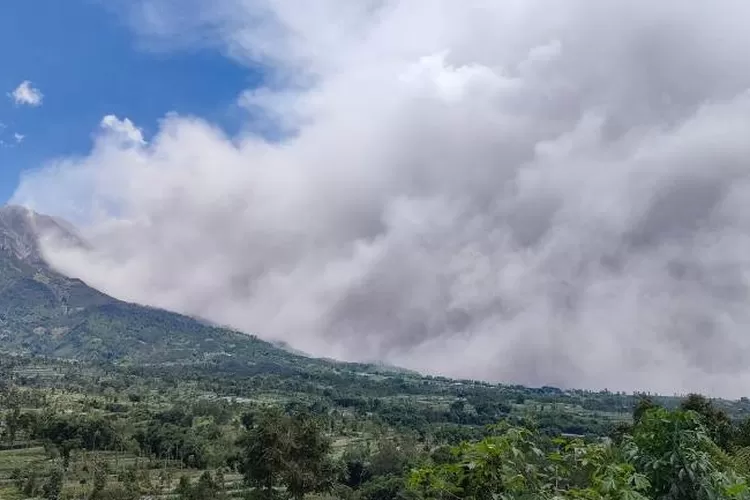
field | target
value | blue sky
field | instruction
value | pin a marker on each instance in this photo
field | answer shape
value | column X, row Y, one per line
column 87, row 63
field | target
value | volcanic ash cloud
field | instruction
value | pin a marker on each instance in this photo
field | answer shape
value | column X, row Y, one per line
column 514, row 191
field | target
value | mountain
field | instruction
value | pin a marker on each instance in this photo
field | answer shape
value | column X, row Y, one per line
column 45, row 313
column 20, row 228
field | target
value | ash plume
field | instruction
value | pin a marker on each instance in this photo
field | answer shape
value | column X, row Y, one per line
column 522, row 191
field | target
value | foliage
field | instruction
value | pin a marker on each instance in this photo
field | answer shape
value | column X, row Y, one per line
column 52, row 488
column 206, row 488
column 519, row 464
column 682, row 462
column 716, row 421
column 68, row 433
column 285, row 450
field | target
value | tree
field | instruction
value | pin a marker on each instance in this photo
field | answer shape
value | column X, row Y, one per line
column 63, row 434
column 248, row 420
column 384, row 488
column 389, row 459
column 261, row 458
column 27, row 481
column 204, row 489
column 12, row 423
column 285, row 450
column 71, row 433
column 742, row 433
column 716, row 421
column 52, row 488
column 682, row 462
column 99, row 483
column 167, row 440
column 220, row 483
column 355, row 468
column 184, row 488
column 643, row 405
column 519, row 464
column 130, row 484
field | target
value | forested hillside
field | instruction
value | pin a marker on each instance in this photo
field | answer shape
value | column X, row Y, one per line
column 99, row 431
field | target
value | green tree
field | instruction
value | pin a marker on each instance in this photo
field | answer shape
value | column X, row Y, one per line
column 384, row 488
column 204, row 489
column 355, row 469
column 13, row 423
column 519, row 464
column 220, row 483
column 644, row 404
column 682, row 462
column 390, row 459
column 716, row 421
column 63, row 434
column 52, row 488
column 286, row 450
column 184, row 488
column 130, row 483
column 27, row 481
column 99, row 482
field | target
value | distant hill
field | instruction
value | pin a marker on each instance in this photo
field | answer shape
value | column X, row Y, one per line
column 44, row 313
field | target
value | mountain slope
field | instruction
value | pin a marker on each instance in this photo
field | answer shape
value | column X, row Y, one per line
column 45, row 313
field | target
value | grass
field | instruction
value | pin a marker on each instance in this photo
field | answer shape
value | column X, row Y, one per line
column 10, row 492
column 18, row 458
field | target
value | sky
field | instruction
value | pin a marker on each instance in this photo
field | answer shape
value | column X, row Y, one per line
column 83, row 56
column 545, row 193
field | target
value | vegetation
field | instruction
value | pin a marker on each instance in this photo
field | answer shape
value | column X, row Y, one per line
column 73, row 430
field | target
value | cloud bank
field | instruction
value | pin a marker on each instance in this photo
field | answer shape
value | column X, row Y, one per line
column 521, row 191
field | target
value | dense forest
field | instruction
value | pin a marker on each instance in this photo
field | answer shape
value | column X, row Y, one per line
column 75, row 430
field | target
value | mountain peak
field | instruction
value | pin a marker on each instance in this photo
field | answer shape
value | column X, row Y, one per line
column 21, row 229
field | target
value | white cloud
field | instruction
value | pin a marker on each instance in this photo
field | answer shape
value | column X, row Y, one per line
column 26, row 94
column 124, row 131
column 526, row 191
column 16, row 137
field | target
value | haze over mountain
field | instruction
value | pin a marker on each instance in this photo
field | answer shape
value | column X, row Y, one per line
column 526, row 191
column 45, row 313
